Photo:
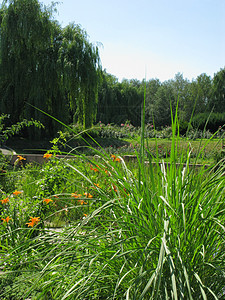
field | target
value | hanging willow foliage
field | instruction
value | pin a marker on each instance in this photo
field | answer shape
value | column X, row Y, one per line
column 79, row 61
column 53, row 69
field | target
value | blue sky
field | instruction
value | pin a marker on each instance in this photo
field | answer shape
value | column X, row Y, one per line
column 158, row 38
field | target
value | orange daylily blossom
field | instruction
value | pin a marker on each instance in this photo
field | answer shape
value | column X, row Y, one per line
column 6, row 220
column 33, row 221
column 114, row 187
column 16, row 193
column 113, row 157
column 81, row 202
column 88, row 195
column 94, row 169
column 85, row 215
column 21, row 157
column 97, row 185
column 47, row 200
column 47, row 155
column 126, row 193
column 4, row 201
column 107, row 172
column 75, row 195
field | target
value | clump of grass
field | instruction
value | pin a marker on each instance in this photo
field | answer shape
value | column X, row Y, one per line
column 155, row 234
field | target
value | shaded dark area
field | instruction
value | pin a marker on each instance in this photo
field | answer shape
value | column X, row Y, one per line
column 23, row 145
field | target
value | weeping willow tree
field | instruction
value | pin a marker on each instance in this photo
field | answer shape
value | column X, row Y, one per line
column 26, row 58
column 80, row 63
column 53, row 69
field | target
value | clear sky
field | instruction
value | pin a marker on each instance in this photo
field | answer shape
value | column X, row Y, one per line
column 158, row 38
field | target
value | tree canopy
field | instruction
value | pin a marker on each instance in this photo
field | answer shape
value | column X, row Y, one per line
column 54, row 69
column 198, row 98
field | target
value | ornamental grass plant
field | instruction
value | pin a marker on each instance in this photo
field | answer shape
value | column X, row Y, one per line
column 157, row 232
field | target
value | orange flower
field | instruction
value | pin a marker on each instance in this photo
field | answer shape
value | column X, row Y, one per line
column 75, row 195
column 81, row 202
column 113, row 157
column 21, row 157
column 47, row 155
column 88, row 195
column 97, row 185
column 33, row 221
column 47, row 200
column 6, row 220
column 85, row 215
column 107, row 173
column 94, row 169
column 126, row 193
column 4, row 201
column 16, row 193
column 114, row 187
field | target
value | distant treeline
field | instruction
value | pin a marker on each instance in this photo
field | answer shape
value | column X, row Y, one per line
column 57, row 70
column 202, row 100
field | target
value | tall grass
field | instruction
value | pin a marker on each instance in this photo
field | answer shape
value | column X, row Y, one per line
column 158, row 234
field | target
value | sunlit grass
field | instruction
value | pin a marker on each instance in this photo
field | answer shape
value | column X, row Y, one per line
column 154, row 231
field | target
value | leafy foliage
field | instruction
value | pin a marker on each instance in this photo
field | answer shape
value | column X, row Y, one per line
column 118, row 102
column 7, row 132
column 53, row 69
column 211, row 121
column 201, row 96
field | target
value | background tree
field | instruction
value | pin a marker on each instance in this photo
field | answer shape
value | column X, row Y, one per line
column 164, row 101
column 116, row 100
column 181, row 93
column 152, row 87
column 28, row 72
column 213, row 94
column 107, row 100
column 199, row 93
column 53, row 69
column 80, row 64
column 217, row 101
column 132, row 99
column 119, row 102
